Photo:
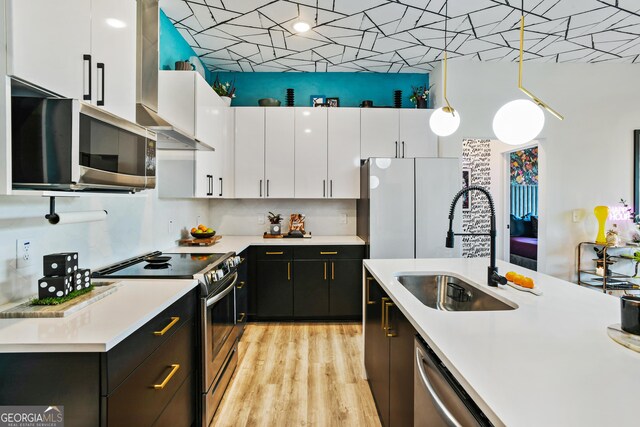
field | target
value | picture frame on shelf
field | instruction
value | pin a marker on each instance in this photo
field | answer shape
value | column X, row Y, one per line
column 318, row 100
column 333, row 102
column 466, row 181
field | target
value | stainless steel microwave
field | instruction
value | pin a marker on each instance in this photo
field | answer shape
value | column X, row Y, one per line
column 66, row 144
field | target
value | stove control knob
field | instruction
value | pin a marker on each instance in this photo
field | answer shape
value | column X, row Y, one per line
column 219, row 274
column 236, row 260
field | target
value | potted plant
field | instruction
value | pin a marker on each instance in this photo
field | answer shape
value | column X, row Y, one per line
column 275, row 220
column 420, row 96
column 226, row 90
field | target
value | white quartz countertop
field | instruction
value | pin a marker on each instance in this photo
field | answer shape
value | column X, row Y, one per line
column 239, row 243
column 98, row 327
column 547, row 363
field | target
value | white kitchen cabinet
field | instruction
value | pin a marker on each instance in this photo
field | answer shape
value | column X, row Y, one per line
column 113, row 49
column 416, row 138
column 279, row 159
column 343, row 153
column 78, row 49
column 187, row 101
column 249, row 152
column 205, row 170
column 379, row 132
column 397, row 133
column 311, row 153
column 49, row 45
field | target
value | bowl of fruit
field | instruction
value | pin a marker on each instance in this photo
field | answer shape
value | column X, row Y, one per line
column 202, row 232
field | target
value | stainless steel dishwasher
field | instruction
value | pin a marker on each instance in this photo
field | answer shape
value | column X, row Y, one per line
column 438, row 398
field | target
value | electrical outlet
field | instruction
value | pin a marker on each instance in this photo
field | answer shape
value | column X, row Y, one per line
column 343, row 218
column 24, row 253
column 576, row 215
column 260, row 219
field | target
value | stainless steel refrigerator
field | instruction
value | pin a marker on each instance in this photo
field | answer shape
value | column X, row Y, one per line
column 403, row 210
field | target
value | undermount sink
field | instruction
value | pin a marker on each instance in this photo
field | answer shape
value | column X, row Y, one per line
column 448, row 293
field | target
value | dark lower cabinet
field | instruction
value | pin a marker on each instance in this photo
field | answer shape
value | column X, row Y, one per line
column 274, row 289
column 308, row 282
column 388, row 356
column 147, row 379
column 310, row 289
column 345, row 288
column 242, row 294
column 376, row 349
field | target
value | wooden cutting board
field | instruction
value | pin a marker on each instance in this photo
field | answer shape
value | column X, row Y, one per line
column 26, row 310
column 200, row 242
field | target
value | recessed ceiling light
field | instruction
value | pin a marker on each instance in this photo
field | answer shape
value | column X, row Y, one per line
column 301, row 27
column 115, row 23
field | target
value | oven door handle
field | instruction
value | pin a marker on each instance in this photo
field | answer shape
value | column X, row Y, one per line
column 224, row 293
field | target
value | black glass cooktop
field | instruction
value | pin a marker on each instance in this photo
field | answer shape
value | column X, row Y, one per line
column 179, row 266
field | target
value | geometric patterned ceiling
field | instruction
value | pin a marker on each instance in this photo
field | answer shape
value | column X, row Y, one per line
column 398, row 36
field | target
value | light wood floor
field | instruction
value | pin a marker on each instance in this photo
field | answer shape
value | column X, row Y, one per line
column 299, row 374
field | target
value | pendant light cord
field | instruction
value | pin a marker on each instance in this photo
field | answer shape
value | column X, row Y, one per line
column 448, row 108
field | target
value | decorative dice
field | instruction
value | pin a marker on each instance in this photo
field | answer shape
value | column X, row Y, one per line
column 81, row 279
column 60, row 264
column 52, row 287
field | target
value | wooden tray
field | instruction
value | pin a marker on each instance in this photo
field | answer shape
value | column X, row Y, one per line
column 26, row 310
column 200, row 242
column 272, row 236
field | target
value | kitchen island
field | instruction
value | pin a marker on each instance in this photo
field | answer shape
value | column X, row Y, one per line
column 548, row 362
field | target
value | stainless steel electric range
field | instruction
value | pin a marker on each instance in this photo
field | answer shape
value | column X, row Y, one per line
column 217, row 276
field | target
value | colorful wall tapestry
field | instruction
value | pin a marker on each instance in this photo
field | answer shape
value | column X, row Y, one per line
column 524, row 167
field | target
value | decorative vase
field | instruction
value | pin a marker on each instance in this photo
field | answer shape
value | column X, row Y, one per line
column 290, row 97
column 397, row 99
column 227, row 100
column 601, row 213
column 421, row 103
column 275, row 229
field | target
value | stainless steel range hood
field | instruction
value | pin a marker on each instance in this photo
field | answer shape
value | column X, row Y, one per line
column 147, row 64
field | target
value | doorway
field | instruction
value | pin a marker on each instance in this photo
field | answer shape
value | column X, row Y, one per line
column 522, row 194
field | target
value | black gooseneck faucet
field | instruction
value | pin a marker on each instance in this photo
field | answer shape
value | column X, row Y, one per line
column 493, row 278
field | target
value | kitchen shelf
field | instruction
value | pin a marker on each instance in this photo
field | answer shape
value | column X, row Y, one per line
column 607, row 283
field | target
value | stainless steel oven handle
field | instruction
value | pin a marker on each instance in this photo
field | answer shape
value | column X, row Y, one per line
column 224, row 293
column 442, row 409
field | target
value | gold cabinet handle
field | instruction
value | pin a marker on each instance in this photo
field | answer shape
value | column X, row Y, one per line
column 328, row 253
column 174, row 369
column 242, row 316
column 289, row 271
column 325, row 270
column 383, row 322
column 332, row 271
column 275, row 253
column 369, row 302
column 240, row 285
column 174, row 320
column 390, row 332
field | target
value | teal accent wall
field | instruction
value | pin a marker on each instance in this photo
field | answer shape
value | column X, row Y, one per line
column 351, row 88
column 173, row 47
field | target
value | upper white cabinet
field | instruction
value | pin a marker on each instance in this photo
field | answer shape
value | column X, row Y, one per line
column 279, row 146
column 311, row 153
column 416, row 138
column 190, row 104
column 343, row 153
column 249, row 152
column 399, row 133
column 76, row 48
column 379, row 132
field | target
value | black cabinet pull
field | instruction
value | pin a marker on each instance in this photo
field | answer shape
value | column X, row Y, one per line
column 260, row 188
column 403, row 149
column 210, row 184
column 220, row 186
column 331, row 188
column 87, row 95
column 267, row 188
column 100, row 66
column 324, row 188
column 396, row 149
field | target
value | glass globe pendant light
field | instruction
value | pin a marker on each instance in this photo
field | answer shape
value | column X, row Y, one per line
column 520, row 121
column 445, row 120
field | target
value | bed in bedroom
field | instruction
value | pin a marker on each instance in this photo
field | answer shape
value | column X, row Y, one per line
column 524, row 241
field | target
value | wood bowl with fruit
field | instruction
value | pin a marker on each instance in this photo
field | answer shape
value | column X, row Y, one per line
column 202, row 232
